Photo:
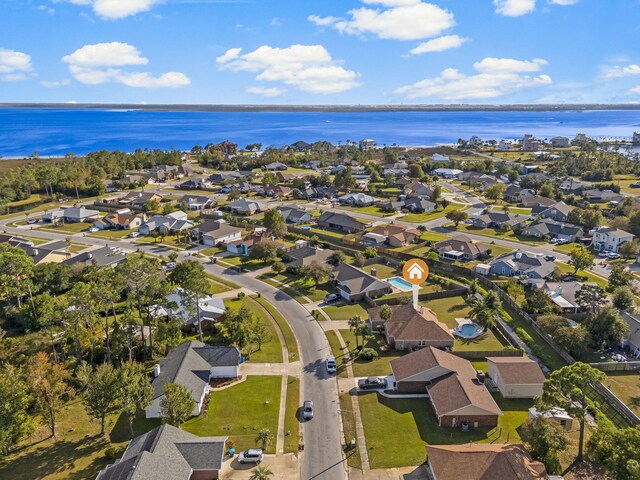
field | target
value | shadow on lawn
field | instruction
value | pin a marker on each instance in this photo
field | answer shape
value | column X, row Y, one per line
column 58, row 457
column 427, row 423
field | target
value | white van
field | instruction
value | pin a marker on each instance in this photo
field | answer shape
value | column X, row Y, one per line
column 331, row 364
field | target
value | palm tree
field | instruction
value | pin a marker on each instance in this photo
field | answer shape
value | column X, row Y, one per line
column 264, row 437
column 260, row 473
column 355, row 323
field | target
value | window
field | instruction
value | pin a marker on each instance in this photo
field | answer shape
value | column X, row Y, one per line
column 422, row 343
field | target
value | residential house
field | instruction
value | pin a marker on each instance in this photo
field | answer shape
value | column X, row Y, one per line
column 467, row 176
column 418, row 189
column 173, row 222
column 53, row 216
column 459, row 248
column 632, row 340
column 300, row 146
column 557, row 414
column 504, row 145
column 242, row 206
column 295, row 215
column 137, row 200
column 133, row 179
column 483, row 461
column 521, row 263
column 14, row 241
column 571, row 186
column 437, row 158
column 319, row 193
column 162, row 173
column 100, row 257
column 495, row 219
column 558, row 211
column 79, row 214
column 120, row 221
column 52, row 252
column 305, row 256
column 197, row 202
column 516, row 377
column 551, row 229
column 354, row 284
column 275, row 166
column 169, row 453
column 537, row 201
column 196, row 184
column 358, row 200
column 529, row 143
column 178, row 306
column 397, row 171
column 285, row 177
column 222, row 177
column 402, row 182
column 244, row 246
column 242, row 187
column 214, row 232
column 278, row 191
column 563, row 294
column 367, row 144
column 515, row 194
column 419, row 205
column 609, row 239
column 446, row 172
column 193, row 365
column 396, row 235
column 456, row 395
column 602, row 196
column 560, row 142
column 340, row 221
column 410, row 329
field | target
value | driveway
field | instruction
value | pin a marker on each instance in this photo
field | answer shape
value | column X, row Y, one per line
column 284, row 467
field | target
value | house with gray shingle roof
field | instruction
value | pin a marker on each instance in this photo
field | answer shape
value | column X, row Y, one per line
column 192, row 365
column 521, row 263
column 339, row 221
column 168, row 453
column 552, row 229
column 354, row 284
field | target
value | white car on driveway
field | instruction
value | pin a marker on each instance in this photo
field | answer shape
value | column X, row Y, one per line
column 253, row 455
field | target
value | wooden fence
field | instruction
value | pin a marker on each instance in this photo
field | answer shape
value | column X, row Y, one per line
column 456, row 292
column 483, row 354
column 616, row 366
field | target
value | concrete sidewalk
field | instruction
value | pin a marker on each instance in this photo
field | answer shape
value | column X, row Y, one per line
column 292, row 369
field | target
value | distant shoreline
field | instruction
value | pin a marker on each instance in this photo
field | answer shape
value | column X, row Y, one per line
column 328, row 108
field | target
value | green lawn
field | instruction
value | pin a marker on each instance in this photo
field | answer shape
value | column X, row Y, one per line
column 447, row 310
column 347, row 310
column 397, row 430
column 71, row 228
column 241, row 412
column 624, row 181
column 112, row 234
column 216, row 288
column 566, row 248
column 565, row 268
column 493, row 233
column 428, row 216
column 371, row 210
column 79, row 453
column 428, row 236
column 514, row 210
column 271, row 352
column 224, row 281
column 626, row 386
column 33, row 198
column 349, row 429
column 383, row 271
column 77, row 247
column 366, row 368
column 287, row 333
column 250, row 265
column 291, row 422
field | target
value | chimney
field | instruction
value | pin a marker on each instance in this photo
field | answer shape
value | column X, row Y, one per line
column 35, row 252
column 156, row 370
column 374, row 272
column 559, row 290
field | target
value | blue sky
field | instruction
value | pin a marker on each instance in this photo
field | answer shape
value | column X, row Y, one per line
column 320, row 51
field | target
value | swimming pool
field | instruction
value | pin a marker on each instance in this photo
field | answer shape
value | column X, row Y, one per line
column 400, row 284
column 305, row 227
column 469, row 330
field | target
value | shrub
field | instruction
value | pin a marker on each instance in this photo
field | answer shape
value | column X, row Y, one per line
column 241, row 295
column 368, row 354
column 113, row 452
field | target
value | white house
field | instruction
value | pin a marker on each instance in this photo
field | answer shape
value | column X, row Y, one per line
column 213, row 232
column 81, row 214
column 436, row 157
column 516, row 377
column 192, row 365
column 210, row 308
column 609, row 239
column 447, row 172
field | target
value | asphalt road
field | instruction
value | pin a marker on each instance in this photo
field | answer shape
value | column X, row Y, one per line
column 322, row 458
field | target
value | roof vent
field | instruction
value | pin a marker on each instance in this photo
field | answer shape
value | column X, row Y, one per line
column 518, row 255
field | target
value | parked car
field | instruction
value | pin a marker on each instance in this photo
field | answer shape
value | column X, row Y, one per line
column 331, row 298
column 307, row 410
column 549, row 258
column 553, row 240
column 613, row 255
column 134, row 235
column 93, row 230
column 635, row 185
column 370, row 383
column 32, row 221
column 603, row 254
column 331, row 364
column 253, row 455
column 169, row 266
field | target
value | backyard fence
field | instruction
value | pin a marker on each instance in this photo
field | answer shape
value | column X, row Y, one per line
column 483, row 354
column 615, row 408
column 456, row 292
column 616, row 366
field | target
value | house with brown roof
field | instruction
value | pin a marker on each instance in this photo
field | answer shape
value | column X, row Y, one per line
column 483, row 461
column 410, row 329
column 516, row 377
column 304, row 256
column 455, row 393
column 340, row 221
column 396, row 235
column 120, row 221
column 459, row 248
column 278, row 191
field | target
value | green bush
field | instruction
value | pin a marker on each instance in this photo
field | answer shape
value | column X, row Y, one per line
column 368, row 354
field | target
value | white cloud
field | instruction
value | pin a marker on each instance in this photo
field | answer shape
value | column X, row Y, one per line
column 495, row 78
column 514, row 8
column 439, row 44
column 268, row 92
column 309, row 68
column 113, row 54
column 618, row 71
column 55, row 84
column 116, row 9
column 229, row 55
column 502, row 65
column 403, row 20
column 634, row 91
column 100, row 63
column 14, row 66
column 563, row 2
